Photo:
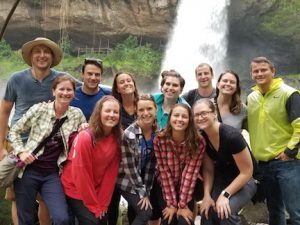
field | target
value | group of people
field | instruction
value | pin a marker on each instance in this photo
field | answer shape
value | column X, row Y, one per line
column 161, row 152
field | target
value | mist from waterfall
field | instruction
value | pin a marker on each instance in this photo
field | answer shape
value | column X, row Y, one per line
column 199, row 36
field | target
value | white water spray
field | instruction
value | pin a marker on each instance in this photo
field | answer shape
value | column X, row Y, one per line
column 199, row 36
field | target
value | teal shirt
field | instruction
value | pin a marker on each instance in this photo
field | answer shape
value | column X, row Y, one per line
column 161, row 116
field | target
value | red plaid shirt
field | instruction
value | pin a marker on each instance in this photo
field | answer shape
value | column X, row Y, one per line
column 177, row 172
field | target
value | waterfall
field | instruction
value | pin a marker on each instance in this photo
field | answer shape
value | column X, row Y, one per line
column 199, row 36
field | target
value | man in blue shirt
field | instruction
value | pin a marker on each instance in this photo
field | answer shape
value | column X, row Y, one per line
column 90, row 92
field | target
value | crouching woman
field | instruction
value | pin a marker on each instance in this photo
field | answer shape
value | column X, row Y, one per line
column 137, row 167
column 90, row 173
column 227, row 168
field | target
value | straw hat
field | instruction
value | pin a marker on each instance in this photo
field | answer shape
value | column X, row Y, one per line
column 56, row 50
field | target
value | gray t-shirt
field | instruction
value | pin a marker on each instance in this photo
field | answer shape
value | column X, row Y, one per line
column 25, row 91
column 235, row 121
column 193, row 95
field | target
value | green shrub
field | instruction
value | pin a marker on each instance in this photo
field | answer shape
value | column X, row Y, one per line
column 4, row 209
column 5, row 49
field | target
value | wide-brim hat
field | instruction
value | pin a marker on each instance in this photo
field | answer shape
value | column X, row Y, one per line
column 56, row 50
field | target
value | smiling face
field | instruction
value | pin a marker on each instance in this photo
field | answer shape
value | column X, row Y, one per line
column 227, row 84
column 204, row 116
column 179, row 118
column 146, row 112
column 64, row 92
column 125, row 84
column 171, row 88
column 262, row 74
column 41, row 57
column 110, row 115
column 91, row 77
column 204, row 76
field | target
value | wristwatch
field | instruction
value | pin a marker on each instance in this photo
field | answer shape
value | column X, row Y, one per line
column 226, row 194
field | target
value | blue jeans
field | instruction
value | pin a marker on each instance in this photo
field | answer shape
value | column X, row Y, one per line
column 236, row 202
column 50, row 188
column 282, row 185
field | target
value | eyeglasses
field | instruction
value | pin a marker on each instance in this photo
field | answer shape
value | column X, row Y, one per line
column 94, row 61
column 203, row 114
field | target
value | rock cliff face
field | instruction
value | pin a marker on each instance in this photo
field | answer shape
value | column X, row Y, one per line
column 89, row 22
column 268, row 28
column 256, row 27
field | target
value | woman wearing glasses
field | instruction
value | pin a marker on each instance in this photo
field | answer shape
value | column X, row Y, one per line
column 179, row 151
column 227, row 168
column 91, row 170
column 137, row 166
column 171, row 85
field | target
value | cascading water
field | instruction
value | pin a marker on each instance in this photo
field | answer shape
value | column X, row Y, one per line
column 199, row 36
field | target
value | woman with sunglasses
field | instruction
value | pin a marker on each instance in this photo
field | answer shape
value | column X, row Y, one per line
column 137, row 166
column 179, row 151
column 172, row 84
column 227, row 168
column 41, row 171
column 91, row 170
column 125, row 90
column 230, row 108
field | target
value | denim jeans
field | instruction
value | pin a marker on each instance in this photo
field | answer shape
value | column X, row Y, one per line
column 282, row 185
column 236, row 202
column 50, row 188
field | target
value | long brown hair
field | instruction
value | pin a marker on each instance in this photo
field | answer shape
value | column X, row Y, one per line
column 117, row 95
column 192, row 137
column 236, row 103
column 95, row 122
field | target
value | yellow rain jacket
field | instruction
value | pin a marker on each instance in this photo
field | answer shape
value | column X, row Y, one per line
column 271, row 132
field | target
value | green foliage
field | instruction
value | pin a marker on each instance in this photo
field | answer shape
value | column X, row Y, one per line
column 141, row 60
column 4, row 209
column 66, row 44
column 5, row 49
column 282, row 21
column 11, row 64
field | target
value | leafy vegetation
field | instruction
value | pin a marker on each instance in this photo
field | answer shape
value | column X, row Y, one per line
column 141, row 60
column 282, row 20
column 5, row 209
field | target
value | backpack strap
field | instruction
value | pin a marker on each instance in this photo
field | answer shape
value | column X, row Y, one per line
column 191, row 96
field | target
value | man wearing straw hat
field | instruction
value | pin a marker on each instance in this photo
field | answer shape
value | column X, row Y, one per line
column 26, row 88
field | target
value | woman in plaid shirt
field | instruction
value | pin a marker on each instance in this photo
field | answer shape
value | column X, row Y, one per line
column 41, row 171
column 179, row 151
column 137, row 166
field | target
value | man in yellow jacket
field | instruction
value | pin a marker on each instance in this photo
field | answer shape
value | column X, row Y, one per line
column 274, row 127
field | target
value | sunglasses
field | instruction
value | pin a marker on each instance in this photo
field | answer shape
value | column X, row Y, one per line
column 94, row 61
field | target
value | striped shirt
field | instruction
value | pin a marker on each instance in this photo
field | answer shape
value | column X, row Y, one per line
column 177, row 171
